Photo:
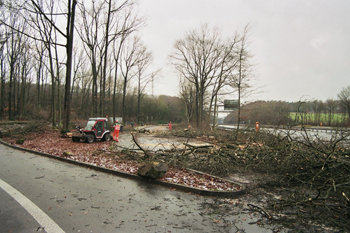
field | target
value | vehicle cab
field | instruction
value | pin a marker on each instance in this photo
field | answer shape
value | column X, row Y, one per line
column 97, row 128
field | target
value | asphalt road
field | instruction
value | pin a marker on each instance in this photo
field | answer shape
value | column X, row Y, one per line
column 326, row 134
column 58, row 196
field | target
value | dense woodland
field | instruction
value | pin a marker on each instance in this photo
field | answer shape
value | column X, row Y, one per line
column 67, row 59
column 37, row 105
column 48, row 73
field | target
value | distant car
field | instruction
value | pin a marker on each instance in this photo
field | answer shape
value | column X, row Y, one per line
column 96, row 128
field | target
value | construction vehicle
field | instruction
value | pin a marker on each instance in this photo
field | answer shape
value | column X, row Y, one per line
column 96, row 128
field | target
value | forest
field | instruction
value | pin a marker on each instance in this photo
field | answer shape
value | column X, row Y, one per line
column 62, row 62
column 67, row 60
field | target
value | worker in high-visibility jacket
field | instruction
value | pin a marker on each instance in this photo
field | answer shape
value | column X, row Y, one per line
column 170, row 126
column 116, row 131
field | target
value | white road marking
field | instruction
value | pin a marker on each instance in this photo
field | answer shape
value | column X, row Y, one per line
column 43, row 219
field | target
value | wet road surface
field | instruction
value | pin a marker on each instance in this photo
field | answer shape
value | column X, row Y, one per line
column 155, row 143
column 79, row 199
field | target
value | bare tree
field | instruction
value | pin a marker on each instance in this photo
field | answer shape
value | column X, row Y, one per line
column 78, row 63
column 197, row 58
column 89, row 34
column 145, row 59
column 317, row 107
column 25, row 62
column 46, row 31
column 3, row 43
column 330, row 107
column 109, row 38
column 228, row 64
column 2, row 75
column 34, row 7
column 130, row 58
column 14, row 49
column 39, row 57
column 118, row 45
column 187, row 93
column 104, row 68
column 240, row 77
column 344, row 97
column 69, row 50
column 84, row 83
column 127, row 24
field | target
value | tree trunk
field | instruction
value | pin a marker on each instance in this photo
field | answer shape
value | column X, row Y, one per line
column 53, row 105
column 10, row 90
column 115, row 89
column 123, row 103
column 70, row 33
column 239, row 113
column 215, row 111
column 2, row 95
column 105, row 59
column 94, row 85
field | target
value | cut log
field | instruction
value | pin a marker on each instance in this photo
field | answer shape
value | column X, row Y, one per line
column 153, row 170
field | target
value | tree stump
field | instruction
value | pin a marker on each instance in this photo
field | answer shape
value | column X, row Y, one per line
column 153, row 170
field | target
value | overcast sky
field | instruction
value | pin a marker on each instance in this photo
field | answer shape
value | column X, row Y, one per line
column 301, row 48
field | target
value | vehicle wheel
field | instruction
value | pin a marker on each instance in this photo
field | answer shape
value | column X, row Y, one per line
column 89, row 138
column 107, row 137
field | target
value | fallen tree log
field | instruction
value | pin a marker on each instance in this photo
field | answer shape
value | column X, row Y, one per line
column 198, row 147
column 147, row 155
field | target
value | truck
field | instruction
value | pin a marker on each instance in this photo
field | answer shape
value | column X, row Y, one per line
column 96, row 129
